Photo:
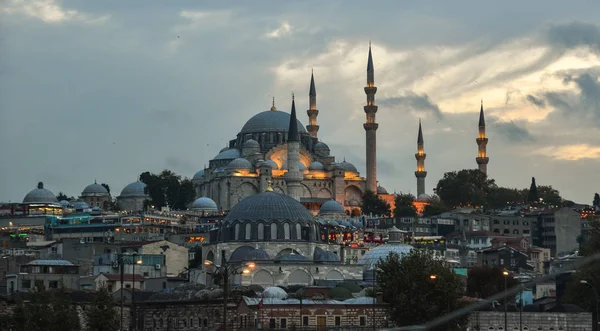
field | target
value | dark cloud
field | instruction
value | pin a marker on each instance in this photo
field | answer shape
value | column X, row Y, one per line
column 415, row 103
column 536, row 101
column 573, row 35
column 511, row 131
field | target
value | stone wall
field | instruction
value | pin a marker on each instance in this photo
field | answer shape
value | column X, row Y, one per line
column 531, row 321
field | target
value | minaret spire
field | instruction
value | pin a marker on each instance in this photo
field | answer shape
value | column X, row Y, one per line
column 273, row 108
column 482, row 140
column 293, row 177
column 312, row 111
column 420, row 156
column 371, row 125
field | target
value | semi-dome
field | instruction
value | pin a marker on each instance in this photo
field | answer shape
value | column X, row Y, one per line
column 292, row 257
column 251, row 143
column 228, row 154
column 269, row 206
column 321, row 255
column 321, row 149
column 316, row 166
column 247, row 253
column 381, row 190
column 301, row 166
column 133, row 190
column 240, row 164
column 270, row 121
column 272, row 164
column 331, row 207
column 40, row 195
column 347, row 166
column 423, row 198
column 199, row 174
column 204, row 204
column 274, row 292
column 94, row 189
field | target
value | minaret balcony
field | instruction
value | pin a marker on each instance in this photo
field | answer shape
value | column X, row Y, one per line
column 420, row 156
column 370, row 89
column 420, row 174
column 370, row 126
column 312, row 112
column 482, row 160
column 481, row 141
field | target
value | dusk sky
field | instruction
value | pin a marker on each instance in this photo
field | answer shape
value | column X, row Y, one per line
column 109, row 89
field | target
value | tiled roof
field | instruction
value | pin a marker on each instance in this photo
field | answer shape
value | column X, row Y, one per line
column 50, row 262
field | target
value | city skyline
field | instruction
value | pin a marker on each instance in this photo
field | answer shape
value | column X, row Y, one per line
column 108, row 92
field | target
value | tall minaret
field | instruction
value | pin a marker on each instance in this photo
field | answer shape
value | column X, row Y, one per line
column 293, row 177
column 482, row 158
column 420, row 156
column 312, row 111
column 371, row 126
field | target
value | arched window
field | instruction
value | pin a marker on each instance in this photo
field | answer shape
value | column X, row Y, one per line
column 525, row 328
column 491, row 328
column 261, row 231
column 248, row 230
column 286, row 230
column 237, row 232
column 273, row 231
column 298, row 231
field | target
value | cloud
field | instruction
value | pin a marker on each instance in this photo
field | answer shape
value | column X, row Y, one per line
column 50, row 11
column 511, row 131
column 571, row 152
column 284, row 29
column 574, row 35
column 204, row 20
column 413, row 102
column 536, row 101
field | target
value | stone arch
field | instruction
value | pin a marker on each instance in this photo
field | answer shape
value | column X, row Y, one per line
column 299, row 277
column 247, row 189
column 278, row 189
column 210, row 256
column 279, row 155
column 306, row 193
column 353, row 195
column 334, row 275
column 324, row 193
column 263, row 278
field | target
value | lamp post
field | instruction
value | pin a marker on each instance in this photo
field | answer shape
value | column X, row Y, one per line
column 505, row 274
column 597, row 299
column 225, row 271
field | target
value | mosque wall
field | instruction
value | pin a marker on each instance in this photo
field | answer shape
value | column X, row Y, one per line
column 286, row 274
column 213, row 252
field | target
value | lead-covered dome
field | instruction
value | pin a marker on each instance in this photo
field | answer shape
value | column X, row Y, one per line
column 40, row 195
column 331, row 207
column 269, row 206
column 423, row 198
column 228, row 154
column 247, row 253
column 199, row 175
column 240, row 164
column 94, row 189
column 270, row 121
column 321, row 149
column 381, row 190
column 347, row 166
column 133, row 190
column 274, row 292
column 316, row 166
column 204, row 204
column 272, row 164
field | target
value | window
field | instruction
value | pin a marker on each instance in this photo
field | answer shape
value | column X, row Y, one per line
column 363, row 321
column 283, row 323
column 273, row 231
column 237, row 232
column 298, row 231
column 248, row 231
column 338, row 321
column 272, row 323
column 128, row 286
column 286, row 231
column 261, row 231
column 53, row 284
column 26, row 283
column 305, row 320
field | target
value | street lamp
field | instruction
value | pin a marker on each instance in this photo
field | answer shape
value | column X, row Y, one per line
column 505, row 273
column 583, row 281
column 225, row 271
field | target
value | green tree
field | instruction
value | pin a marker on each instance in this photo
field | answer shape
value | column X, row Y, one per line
column 405, row 206
column 168, row 188
column 419, row 288
column 596, row 202
column 102, row 316
column 372, row 204
column 106, row 187
column 549, row 195
column 45, row 311
column 435, row 207
column 501, row 196
column 61, row 196
column 532, row 195
column 485, row 281
column 465, row 187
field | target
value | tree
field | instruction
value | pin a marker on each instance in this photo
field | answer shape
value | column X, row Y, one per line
column 106, row 187
column 485, row 281
column 501, row 196
column 168, row 188
column 435, row 207
column 45, row 311
column 465, row 187
column 405, row 206
column 549, row 195
column 61, row 196
column 418, row 288
column 101, row 316
column 532, row 195
column 596, row 202
column 372, row 204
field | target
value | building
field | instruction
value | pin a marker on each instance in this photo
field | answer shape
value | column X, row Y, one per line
column 505, row 257
column 44, row 274
column 112, row 282
column 133, row 197
column 556, row 229
column 511, row 225
column 96, row 195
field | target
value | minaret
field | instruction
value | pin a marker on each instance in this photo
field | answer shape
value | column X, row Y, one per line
column 482, row 158
column 293, row 177
column 371, row 126
column 312, row 111
column 420, row 156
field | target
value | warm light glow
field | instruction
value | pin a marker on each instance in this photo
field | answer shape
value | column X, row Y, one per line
column 251, row 265
column 505, row 273
column 246, row 271
column 432, row 277
column 208, row 263
column 138, row 262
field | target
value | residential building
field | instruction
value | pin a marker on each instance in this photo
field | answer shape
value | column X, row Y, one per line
column 44, row 274
column 556, row 229
column 112, row 282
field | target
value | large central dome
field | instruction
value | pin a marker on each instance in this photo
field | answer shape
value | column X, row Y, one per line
column 268, row 206
column 270, row 121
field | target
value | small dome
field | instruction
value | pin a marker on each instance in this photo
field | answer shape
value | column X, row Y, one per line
column 224, row 149
column 228, row 154
column 292, row 257
column 423, row 198
column 94, row 190
column 272, row 164
column 316, row 166
column 347, row 166
column 64, row 203
column 300, row 165
column 96, row 209
column 80, row 205
column 247, row 253
column 274, row 292
column 204, row 204
column 239, row 164
column 40, row 195
column 331, row 207
column 372, row 257
column 199, row 175
column 321, row 255
column 381, row 190
column 321, row 149
column 133, row 190
column 251, row 143
column 269, row 206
